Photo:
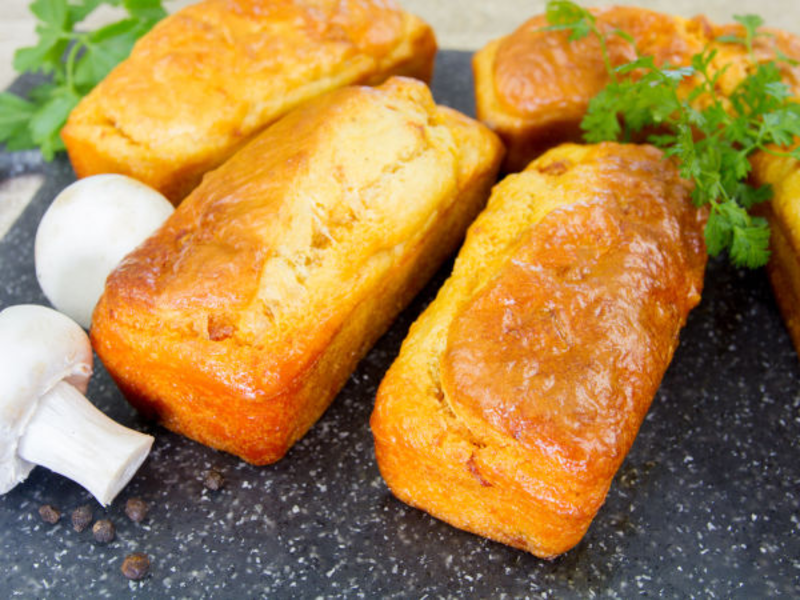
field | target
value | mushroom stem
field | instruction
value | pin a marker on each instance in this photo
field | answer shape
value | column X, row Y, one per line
column 68, row 435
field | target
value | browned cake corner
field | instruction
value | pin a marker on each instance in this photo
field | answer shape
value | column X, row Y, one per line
column 238, row 322
column 783, row 214
column 208, row 78
column 520, row 389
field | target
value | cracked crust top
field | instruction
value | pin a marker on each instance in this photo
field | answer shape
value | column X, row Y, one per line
column 209, row 77
column 238, row 321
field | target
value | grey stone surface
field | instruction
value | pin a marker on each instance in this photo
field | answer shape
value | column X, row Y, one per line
column 707, row 504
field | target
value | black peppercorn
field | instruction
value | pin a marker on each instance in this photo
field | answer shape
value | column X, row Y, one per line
column 104, row 531
column 136, row 565
column 49, row 513
column 136, row 509
column 82, row 517
column 213, row 480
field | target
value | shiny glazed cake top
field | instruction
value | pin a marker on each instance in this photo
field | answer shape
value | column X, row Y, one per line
column 565, row 347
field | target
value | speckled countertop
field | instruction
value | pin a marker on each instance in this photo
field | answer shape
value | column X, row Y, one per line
column 707, row 504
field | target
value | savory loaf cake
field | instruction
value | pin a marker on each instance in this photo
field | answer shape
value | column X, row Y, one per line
column 520, row 389
column 240, row 319
column 208, row 78
column 533, row 87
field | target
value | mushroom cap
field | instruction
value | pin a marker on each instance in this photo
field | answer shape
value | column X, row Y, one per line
column 38, row 348
column 86, row 232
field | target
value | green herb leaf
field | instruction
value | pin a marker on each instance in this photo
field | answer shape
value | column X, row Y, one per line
column 147, row 10
column 710, row 137
column 14, row 116
column 105, row 48
column 76, row 61
column 51, row 12
column 751, row 24
column 43, row 55
column 113, row 31
column 78, row 12
column 565, row 15
column 750, row 244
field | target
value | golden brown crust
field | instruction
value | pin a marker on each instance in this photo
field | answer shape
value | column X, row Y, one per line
column 784, row 273
column 533, row 87
column 207, row 79
column 511, row 405
column 239, row 320
column 783, row 214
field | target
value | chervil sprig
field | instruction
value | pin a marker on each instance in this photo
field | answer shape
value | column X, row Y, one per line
column 74, row 61
column 711, row 136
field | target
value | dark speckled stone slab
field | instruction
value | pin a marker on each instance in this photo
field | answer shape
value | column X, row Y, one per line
column 707, row 504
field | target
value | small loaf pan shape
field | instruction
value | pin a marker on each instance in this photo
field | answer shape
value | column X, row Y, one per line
column 533, row 87
column 207, row 79
column 239, row 320
column 520, row 389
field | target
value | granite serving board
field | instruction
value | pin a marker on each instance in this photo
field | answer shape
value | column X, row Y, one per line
column 707, row 502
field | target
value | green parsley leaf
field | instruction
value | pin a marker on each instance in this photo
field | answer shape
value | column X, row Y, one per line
column 14, row 116
column 601, row 124
column 41, row 56
column 105, row 48
column 717, row 233
column 78, row 12
column 51, row 12
column 147, row 10
column 75, row 62
column 565, row 15
column 47, row 121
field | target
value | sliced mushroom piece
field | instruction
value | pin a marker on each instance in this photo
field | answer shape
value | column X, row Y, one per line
column 45, row 419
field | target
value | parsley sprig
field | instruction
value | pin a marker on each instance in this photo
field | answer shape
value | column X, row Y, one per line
column 73, row 61
column 711, row 136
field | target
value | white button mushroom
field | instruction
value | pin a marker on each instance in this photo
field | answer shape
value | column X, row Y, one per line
column 45, row 418
column 88, row 229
